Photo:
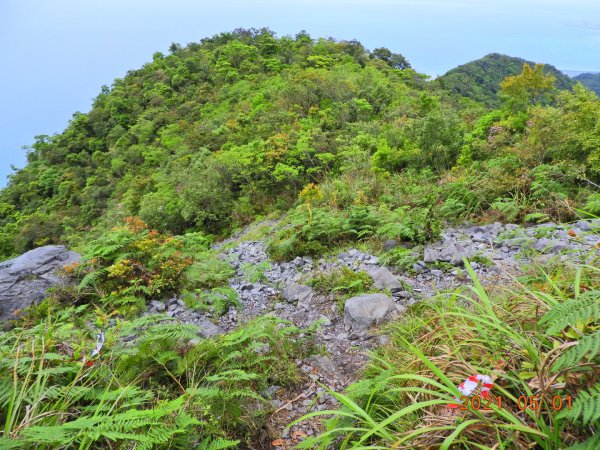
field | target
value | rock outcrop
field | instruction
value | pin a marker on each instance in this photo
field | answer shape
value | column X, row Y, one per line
column 24, row 280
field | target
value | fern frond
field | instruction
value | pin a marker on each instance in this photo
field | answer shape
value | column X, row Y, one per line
column 47, row 435
column 592, row 443
column 232, row 375
column 583, row 308
column 587, row 345
column 587, row 405
column 218, row 444
column 6, row 444
column 90, row 279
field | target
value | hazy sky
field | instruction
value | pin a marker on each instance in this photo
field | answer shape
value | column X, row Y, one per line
column 55, row 54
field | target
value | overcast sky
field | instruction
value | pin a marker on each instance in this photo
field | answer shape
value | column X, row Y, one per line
column 56, row 54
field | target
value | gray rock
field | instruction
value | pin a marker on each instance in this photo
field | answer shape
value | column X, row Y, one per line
column 158, row 306
column 401, row 294
column 584, row 225
column 482, row 237
column 362, row 311
column 419, row 267
column 389, row 245
column 550, row 245
column 326, row 321
column 25, row 279
column 208, row 329
column 447, row 251
column 298, row 261
column 384, row 279
column 323, row 364
column 371, row 260
column 295, row 292
column 272, row 390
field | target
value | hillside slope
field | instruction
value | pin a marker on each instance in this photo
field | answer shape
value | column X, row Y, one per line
column 590, row 81
column 480, row 79
column 251, row 211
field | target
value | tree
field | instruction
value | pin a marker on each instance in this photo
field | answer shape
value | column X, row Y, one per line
column 174, row 47
column 531, row 87
column 395, row 60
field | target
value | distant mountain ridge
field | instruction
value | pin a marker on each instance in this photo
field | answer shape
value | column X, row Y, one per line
column 590, row 81
column 575, row 73
column 480, row 79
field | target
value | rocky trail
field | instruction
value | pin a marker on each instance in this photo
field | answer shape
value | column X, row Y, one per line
column 281, row 289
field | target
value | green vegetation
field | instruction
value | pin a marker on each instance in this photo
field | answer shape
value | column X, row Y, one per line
column 215, row 134
column 480, row 79
column 345, row 147
column 343, row 284
column 131, row 264
column 540, row 342
column 163, row 389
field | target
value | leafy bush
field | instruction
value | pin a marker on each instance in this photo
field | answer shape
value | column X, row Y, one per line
column 207, row 271
column 133, row 260
column 314, row 237
column 592, row 205
column 417, row 225
column 330, row 228
column 217, row 301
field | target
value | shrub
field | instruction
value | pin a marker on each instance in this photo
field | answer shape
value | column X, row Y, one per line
column 399, row 257
column 133, row 260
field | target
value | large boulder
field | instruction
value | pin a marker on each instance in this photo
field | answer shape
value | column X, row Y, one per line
column 362, row 311
column 25, row 279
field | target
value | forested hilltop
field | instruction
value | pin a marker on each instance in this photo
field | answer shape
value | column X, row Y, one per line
column 480, row 79
column 275, row 229
column 218, row 132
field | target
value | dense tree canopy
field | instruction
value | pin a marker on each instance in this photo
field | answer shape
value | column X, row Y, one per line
column 218, row 132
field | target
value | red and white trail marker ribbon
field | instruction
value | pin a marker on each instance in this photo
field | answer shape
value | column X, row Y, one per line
column 99, row 344
column 467, row 387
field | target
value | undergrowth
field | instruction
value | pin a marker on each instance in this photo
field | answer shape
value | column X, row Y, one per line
column 155, row 384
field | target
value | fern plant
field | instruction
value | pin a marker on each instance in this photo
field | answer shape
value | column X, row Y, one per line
column 577, row 318
column 155, row 384
column 578, row 321
column 586, row 408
